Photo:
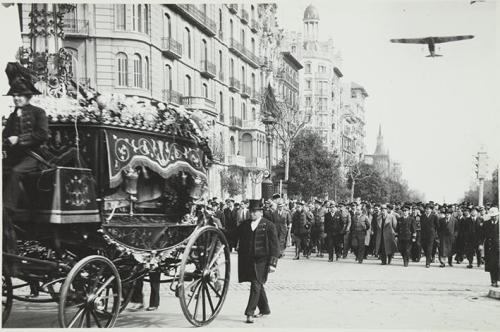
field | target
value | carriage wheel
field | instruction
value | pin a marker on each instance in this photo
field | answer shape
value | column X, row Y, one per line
column 90, row 296
column 204, row 276
column 6, row 297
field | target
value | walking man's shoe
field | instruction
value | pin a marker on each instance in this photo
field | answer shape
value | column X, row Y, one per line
column 249, row 320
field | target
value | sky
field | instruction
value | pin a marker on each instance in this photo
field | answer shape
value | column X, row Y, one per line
column 436, row 113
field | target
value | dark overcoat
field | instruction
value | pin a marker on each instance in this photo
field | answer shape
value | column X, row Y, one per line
column 491, row 258
column 389, row 232
column 447, row 232
column 467, row 234
column 333, row 223
column 428, row 225
column 257, row 250
column 281, row 221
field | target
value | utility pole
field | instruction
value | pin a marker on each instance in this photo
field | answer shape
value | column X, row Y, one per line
column 481, row 160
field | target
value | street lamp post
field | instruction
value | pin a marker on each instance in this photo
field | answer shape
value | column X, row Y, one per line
column 267, row 183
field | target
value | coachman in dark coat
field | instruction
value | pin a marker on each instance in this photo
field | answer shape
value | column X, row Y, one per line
column 257, row 256
column 491, row 246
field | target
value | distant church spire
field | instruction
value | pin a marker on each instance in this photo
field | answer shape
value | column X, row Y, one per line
column 380, row 142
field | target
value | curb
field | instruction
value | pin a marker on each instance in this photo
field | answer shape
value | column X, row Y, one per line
column 494, row 294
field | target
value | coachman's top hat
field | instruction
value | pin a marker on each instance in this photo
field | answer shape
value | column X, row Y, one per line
column 255, row 204
column 20, row 81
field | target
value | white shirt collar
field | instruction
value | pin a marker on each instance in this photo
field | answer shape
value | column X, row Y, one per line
column 255, row 223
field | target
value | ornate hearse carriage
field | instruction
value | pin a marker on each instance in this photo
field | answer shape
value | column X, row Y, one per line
column 114, row 201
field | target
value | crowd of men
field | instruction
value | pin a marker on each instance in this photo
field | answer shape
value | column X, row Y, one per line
column 452, row 233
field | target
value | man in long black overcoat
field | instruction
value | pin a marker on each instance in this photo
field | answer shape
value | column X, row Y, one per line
column 257, row 256
column 429, row 224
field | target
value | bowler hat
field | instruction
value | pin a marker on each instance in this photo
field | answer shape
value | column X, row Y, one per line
column 255, row 204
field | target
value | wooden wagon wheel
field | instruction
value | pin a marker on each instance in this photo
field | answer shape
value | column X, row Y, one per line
column 90, row 296
column 7, row 297
column 204, row 275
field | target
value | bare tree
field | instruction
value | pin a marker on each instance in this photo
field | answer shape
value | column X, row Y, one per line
column 285, row 121
column 356, row 173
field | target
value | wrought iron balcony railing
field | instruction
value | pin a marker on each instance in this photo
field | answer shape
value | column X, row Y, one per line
column 235, row 122
column 171, row 48
column 207, row 69
column 171, row 96
column 198, row 17
column 244, row 16
column 75, row 27
column 233, row 8
column 246, row 54
column 254, row 25
column 234, row 84
column 246, row 91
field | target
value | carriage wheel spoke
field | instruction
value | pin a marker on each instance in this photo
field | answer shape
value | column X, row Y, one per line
column 106, row 284
column 87, row 319
column 82, row 319
column 96, row 319
column 209, row 297
column 197, row 302
column 77, row 315
column 221, row 250
column 193, row 294
column 215, row 291
column 203, row 301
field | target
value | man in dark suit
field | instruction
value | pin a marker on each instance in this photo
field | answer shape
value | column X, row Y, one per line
column 282, row 220
column 257, row 256
column 333, row 229
column 405, row 232
column 25, row 131
column 429, row 225
column 477, row 221
column 231, row 217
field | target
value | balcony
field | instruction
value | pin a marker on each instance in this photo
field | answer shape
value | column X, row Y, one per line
column 252, row 125
column 288, row 78
column 254, row 25
column 322, row 76
column 207, row 69
column 171, row 48
column 196, row 16
column 236, row 160
column 246, row 91
column 233, row 8
column 234, row 84
column 235, row 122
column 220, row 34
column 172, row 97
column 221, row 76
column 255, row 97
column 238, row 49
column 200, row 103
column 244, row 16
column 256, row 162
column 76, row 28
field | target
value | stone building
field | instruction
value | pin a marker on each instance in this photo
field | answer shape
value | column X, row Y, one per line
column 337, row 111
column 201, row 57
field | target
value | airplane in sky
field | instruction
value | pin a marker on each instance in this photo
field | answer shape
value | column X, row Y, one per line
column 431, row 42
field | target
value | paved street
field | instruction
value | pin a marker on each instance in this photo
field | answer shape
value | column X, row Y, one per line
column 317, row 294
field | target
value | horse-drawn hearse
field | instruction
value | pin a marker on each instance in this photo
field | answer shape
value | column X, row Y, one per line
column 112, row 203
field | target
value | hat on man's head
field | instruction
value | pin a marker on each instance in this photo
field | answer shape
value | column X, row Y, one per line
column 229, row 200
column 383, row 206
column 255, row 204
column 20, row 81
column 449, row 211
column 276, row 196
column 317, row 201
column 405, row 208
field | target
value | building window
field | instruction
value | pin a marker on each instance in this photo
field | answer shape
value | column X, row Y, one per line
column 231, row 68
column 253, row 82
column 231, row 109
column 122, row 69
column 121, row 17
column 146, row 73
column 254, row 115
column 232, row 146
column 220, row 19
column 308, row 68
column 221, row 107
column 146, row 19
column 204, row 50
column 137, row 71
column 168, row 77
column 187, row 86
column 231, row 28
column 204, row 90
column 167, row 26
column 253, row 45
column 187, row 42
column 244, row 111
column 220, row 61
column 294, row 48
column 243, row 78
column 308, row 101
column 308, row 85
column 243, row 37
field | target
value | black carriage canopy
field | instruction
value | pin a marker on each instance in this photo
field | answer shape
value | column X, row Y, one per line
column 128, row 150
